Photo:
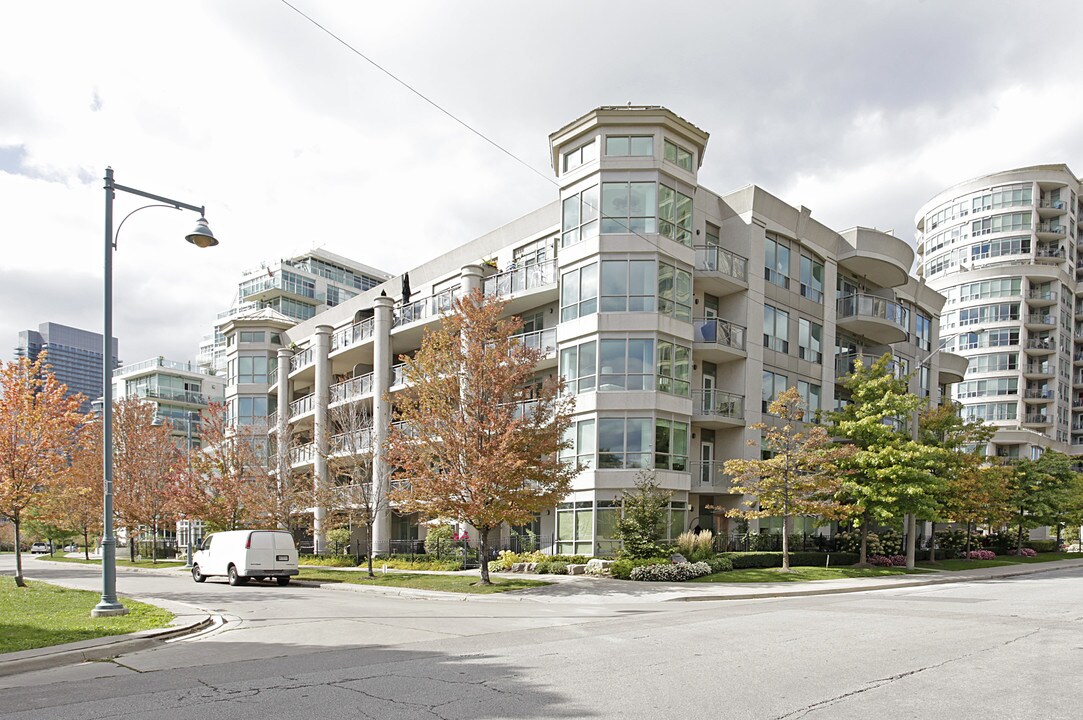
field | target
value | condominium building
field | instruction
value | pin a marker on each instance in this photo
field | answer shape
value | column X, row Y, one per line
column 675, row 314
column 1003, row 250
column 298, row 287
column 75, row 356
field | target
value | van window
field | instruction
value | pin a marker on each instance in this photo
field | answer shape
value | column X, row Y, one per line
column 261, row 541
column 206, row 544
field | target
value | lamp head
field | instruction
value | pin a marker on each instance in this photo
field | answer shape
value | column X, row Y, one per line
column 202, row 237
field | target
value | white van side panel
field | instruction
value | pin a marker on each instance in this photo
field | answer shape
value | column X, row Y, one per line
column 260, row 556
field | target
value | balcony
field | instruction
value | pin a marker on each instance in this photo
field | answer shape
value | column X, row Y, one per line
column 1037, row 371
column 882, row 258
column 1037, row 395
column 301, row 359
column 355, row 443
column 303, row 455
column 846, row 362
column 1049, row 253
column 1040, row 346
column 158, row 362
column 878, row 319
column 352, row 335
column 302, row 406
column 432, row 307
column 708, row 477
column 1077, row 403
column 720, row 271
column 717, row 340
column 1036, row 420
column 716, row 409
column 952, row 368
column 1052, row 208
column 1051, row 231
column 180, row 396
column 354, row 388
column 1039, row 321
column 524, row 287
column 1040, row 298
column 544, row 341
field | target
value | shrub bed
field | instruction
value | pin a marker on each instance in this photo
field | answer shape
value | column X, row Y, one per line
column 670, row 572
column 887, row 560
column 1027, row 552
column 1041, row 545
column 981, row 555
column 797, row 559
column 622, row 569
column 507, row 558
column 327, row 560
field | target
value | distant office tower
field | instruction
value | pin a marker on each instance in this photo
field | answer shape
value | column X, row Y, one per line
column 75, row 356
column 1002, row 249
column 298, row 288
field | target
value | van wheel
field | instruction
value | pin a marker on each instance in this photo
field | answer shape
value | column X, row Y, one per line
column 283, row 580
column 234, row 578
column 197, row 575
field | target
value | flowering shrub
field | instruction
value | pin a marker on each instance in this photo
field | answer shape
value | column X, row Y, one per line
column 851, row 542
column 981, row 555
column 670, row 573
column 1027, row 552
column 695, row 546
column 887, row 560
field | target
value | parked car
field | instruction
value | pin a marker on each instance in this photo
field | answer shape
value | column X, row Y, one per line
column 242, row 555
column 39, row 547
column 71, row 547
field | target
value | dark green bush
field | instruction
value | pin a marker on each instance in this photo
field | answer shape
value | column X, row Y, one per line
column 1041, row 545
column 558, row 568
column 542, row 568
column 622, row 569
column 719, row 564
column 742, row 560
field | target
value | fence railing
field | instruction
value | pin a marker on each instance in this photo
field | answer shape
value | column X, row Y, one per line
column 529, row 277
column 712, row 258
column 720, row 332
column 351, row 335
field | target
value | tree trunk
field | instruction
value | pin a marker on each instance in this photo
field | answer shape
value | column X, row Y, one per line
column 19, row 582
column 932, row 541
column 368, row 542
column 1019, row 537
column 911, row 539
column 785, row 543
column 968, row 544
column 86, row 543
column 131, row 546
column 483, row 536
column 154, row 544
column 863, row 557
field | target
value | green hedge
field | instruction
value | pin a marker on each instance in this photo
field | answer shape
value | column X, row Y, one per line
column 1041, row 545
column 622, row 569
column 742, row 560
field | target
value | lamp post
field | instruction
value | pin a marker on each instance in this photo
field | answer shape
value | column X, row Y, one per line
column 200, row 237
column 191, row 528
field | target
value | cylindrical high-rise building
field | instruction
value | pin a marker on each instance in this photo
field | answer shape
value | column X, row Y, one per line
column 1002, row 249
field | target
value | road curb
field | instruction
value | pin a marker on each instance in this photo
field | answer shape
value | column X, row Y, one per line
column 103, row 648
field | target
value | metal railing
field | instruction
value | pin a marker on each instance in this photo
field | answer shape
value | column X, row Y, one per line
column 301, row 359
column 352, row 388
column 712, row 258
column 863, row 305
column 432, row 306
column 301, row 454
column 1041, row 344
column 1049, row 251
column 516, row 280
column 544, row 340
column 846, row 362
column 1037, row 419
column 720, row 332
column 1041, row 319
column 709, row 474
column 351, row 335
column 718, row 403
column 358, row 441
column 184, row 396
column 1040, row 369
column 159, row 362
column 303, row 405
column 1040, row 393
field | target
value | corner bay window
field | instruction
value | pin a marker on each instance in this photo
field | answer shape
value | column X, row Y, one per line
column 581, row 155
column 579, row 292
column 674, row 153
column 628, row 443
column 627, row 364
column 579, row 216
column 629, row 145
column 627, row 286
column 248, row 369
column 647, row 207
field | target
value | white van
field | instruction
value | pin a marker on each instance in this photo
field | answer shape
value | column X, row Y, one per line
column 242, row 555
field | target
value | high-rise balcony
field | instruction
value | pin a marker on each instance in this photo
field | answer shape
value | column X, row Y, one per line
column 524, row 287
column 713, row 408
column 1041, row 298
column 1040, row 321
column 882, row 258
column 878, row 319
column 356, row 333
column 1039, row 370
column 1049, row 252
column 952, row 368
column 1040, row 346
column 302, row 406
column 302, row 359
column 544, row 340
column 1051, row 230
column 1051, row 208
column 719, row 271
column 709, row 476
column 1037, row 420
column 717, row 340
column 1037, row 395
column 352, row 389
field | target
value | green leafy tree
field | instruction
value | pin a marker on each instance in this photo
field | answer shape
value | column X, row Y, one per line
column 800, row 476
column 643, row 514
column 1040, row 491
column 890, row 474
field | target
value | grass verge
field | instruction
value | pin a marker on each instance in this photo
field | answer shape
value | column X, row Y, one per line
column 445, row 583
column 41, row 615
column 798, row 574
column 1001, row 561
column 120, row 563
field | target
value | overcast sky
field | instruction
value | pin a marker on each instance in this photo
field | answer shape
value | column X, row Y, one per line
column 859, row 110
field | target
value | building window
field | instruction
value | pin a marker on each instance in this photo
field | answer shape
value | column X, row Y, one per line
column 675, row 215
column 581, row 437
column 579, row 292
column 248, row 369
column 810, row 396
column 629, row 145
column 577, row 366
column 992, row 386
column 1017, row 245
column 776, row 329
column 250, row 336
column 923, row 332
column 810, row 341
column 677, row 155
column 294, row 283
column 674, row 368
column 579, row 216
column 628, row 286
column 575, row 528
column 580, row 156
column 991, row 411
column 674, row 292
column 993, row 362
column 1007, row 222
column 624, row 443
column 626, row 364
column 629, row 207
column 776, row 263
column 774, row 384
column 812, row 279
column 999, row 312
column 670, row 445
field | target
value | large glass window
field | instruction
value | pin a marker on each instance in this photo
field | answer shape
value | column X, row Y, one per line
column 991, row 411
column 923, row 331
column 581, row 436
column 577, row 365
column 812, row 279
column 998, row 312
column 674, row 368
column 298, row 285
column 248, row 369
column 1016, row 245
column 776, row 262
column 992, row 386
column 251, row 410
column 579, row 292
column 810, row 396
column 674, row 292
column 629, row 207
column 605, row 521
column 581, row 155
column 776, row 329
column 575, row 528
column 774, row 384
column 810, row 340
column 629, row 145
column 625, row 364
column 628, row 286
column 624, row 442
column 670, row 445
column 675, row 215
column 1001, row 223
column 677, row 155
column 579, row 216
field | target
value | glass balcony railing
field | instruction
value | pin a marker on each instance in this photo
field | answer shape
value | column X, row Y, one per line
column 352, row 389
column 871, row 306
column 303, row 405
column 351, row 335
column 712, row 258
column 432, row 306
column 720, row 332
column 544, row 340
column 718, row 403
column 529, row 277
column 709, row 474
column 302, row 359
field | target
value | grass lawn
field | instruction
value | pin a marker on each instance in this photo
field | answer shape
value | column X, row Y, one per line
column 798, row 574
column 40, row 615
column 446, row 583
column 1001, row 560
column 120, row 562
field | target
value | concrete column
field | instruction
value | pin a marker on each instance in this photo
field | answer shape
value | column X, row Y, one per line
column 321, row 431
column 381, row 417
column 473, row 278
column 283, row 409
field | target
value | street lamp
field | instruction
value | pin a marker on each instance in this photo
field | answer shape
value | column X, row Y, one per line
column 201, row 237
column 192, row 414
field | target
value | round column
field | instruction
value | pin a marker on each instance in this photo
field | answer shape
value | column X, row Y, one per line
column 321, row 432
column 383, row 316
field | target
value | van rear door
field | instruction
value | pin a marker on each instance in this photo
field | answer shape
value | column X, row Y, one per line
column 285, row 557
column 260, row 552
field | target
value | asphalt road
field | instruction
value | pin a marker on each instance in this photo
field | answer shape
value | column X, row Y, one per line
column 1011, row 648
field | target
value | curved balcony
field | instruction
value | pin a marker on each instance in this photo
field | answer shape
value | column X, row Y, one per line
column 354, row 388
column 1040, row 321
column 1039, row 370
column 720, row 271
column 717, row 340
column 878, row 319
column 952, row 368
column 352, row 335
column 883, row 259
column 1041, row 298
column 1052, row 208
column 302, row 406
column 1051, row 230
column 302, row 360
column 525, row 287
column 1040, row 346
column 716, row 409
